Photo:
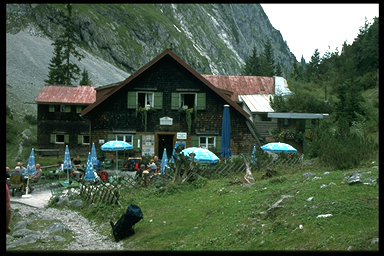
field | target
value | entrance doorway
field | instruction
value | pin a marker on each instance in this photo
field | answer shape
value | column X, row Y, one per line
column 165, row 141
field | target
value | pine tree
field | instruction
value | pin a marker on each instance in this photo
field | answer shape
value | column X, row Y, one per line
column 56, row 66
column 313, row 66
column 252, row 65
column 62, row 69
column 279, row 71
column 85, row 80
column 268, row 62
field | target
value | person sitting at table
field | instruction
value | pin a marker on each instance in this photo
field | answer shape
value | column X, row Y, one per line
column 77, row 162
column 37, row 175
column 152, row 167
column 20, row 167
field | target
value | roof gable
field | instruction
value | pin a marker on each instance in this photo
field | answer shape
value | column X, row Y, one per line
column 170, row 53
column 82, row 95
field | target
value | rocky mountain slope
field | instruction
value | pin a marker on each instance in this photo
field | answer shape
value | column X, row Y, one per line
column 118, row 39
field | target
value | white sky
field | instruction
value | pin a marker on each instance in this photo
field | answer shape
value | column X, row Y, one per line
column 306, row 27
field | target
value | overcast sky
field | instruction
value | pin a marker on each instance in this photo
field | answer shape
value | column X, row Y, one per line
column 306, row 27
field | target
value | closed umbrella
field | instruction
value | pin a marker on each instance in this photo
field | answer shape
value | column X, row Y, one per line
column 164, row 162
column 115, row 146
column 226, row 134
column 93, row 155
column 67, row 165
column 31, row 166
column 31, row 169
column 90, row 174
column 202, row 155
column 253, row 155
column 279, row 147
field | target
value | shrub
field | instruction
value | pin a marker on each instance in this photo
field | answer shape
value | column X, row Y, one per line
column 344, row 151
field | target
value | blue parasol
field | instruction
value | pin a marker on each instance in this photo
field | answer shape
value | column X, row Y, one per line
column 90, row 174
column 30, row 170
column 31, row 167
column 178, row 146
column 202, row 155
column 279, row 147
column 67, row 165
column 94, row 155
column 253, row 155
column 116, row 145
column 164, row 162
column 226, row 134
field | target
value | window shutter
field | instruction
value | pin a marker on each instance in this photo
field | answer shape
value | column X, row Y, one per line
column 218, row 143
column 66, row 138
column 132, row 100
column 175, row 101
column 135, row 140
column 201, row 101
column 53, row 138
column 79, row 139
column 158, row 104
column 51, row 108
column 194, row 141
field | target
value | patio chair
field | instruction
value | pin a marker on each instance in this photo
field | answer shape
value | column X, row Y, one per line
column 16, row 185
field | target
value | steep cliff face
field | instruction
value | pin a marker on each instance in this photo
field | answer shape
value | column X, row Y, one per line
column 212, row 38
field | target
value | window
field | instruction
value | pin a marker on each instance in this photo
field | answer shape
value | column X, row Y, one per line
column 79, row 109
column 187, row 99
column 145, row 98
column 207, row 142
column 85, row 139
column 125, row 137
column 59, row 139
column 192, row 100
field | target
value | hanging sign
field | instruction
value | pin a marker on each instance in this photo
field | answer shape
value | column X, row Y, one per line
column 166, row 121
column 181, row 135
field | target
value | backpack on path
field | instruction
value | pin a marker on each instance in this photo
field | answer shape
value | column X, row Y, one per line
column 124, row 226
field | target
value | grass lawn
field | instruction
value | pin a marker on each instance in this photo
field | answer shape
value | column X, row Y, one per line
column 224, row 215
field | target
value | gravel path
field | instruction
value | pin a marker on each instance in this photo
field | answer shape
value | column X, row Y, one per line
column 86, row 234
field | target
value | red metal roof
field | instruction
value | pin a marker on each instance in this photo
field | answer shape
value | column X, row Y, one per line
column 243, row 85
column 66, row 95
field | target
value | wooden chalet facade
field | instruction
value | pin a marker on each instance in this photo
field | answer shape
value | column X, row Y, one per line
column 164, row 102
column 58, row 117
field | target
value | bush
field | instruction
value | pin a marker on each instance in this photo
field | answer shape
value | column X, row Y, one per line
column 344, row 151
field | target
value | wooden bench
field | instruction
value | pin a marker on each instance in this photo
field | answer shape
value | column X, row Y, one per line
column 47, row 152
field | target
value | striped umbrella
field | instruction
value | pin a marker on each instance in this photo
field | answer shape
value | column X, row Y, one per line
column 164, row 161
column 31, row 167
column 90, row 174
column 67, row 165
column 94, row 155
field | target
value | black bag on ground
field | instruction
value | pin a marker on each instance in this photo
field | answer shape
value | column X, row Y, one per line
column 124, row 226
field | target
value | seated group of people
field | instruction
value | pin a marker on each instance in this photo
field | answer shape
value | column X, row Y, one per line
column 137, row 165
column 20, row 179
